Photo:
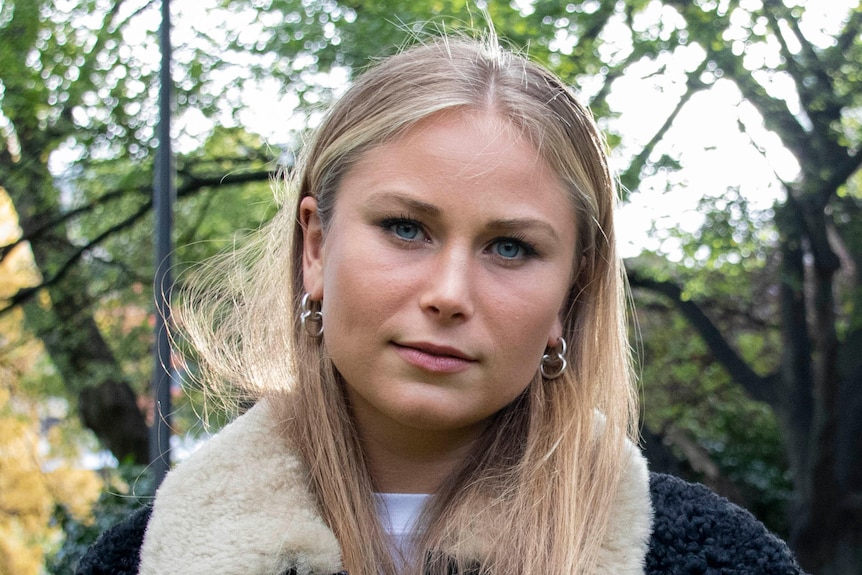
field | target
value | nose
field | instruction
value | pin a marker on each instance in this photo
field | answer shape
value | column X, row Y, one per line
column 447, row 293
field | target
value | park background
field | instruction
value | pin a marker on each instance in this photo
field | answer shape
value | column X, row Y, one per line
column 734, row 126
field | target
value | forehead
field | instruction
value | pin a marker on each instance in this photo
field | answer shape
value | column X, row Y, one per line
column 458, row 163
column 462, row 149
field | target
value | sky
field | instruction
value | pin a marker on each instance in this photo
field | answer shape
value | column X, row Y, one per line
column 706, row 137
column 714, row 154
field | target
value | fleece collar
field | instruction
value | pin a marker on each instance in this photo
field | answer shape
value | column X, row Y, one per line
column 241, row 505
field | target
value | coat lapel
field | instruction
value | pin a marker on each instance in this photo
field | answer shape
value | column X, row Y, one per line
column 240, row 505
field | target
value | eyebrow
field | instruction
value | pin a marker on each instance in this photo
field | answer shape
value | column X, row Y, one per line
column 411, row 204
column 514, row 225
column 503, row 225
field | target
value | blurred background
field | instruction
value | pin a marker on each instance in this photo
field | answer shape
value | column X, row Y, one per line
column 734, row 126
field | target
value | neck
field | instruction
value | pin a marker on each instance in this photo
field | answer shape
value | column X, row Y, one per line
column 404, row 459
column 418, row 467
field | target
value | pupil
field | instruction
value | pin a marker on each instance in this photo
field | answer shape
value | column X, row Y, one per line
column 407, row 231
column 508, row 249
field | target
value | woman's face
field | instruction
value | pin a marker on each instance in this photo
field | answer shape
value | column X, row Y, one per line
column 442, row 273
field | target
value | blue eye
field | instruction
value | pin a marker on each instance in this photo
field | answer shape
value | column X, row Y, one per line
column 406, row 230
column 510, row 249
column 403, row 229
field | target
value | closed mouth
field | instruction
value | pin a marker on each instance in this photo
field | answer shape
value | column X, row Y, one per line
column 437, row 350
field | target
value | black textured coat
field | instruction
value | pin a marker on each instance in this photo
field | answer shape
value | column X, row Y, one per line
column 694, row 532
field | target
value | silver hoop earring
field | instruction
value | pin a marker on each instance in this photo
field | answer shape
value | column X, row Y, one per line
column 550, row 361
column 308, row 317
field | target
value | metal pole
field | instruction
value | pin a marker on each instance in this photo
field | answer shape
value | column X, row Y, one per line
column 164, row 194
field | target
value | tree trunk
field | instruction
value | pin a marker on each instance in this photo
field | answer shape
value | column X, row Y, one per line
column 826, row 530
column 83, row 359
column 816, row 395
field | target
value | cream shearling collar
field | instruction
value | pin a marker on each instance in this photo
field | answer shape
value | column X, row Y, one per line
column 240, row 505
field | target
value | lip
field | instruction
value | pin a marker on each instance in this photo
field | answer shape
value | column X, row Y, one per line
column 434, row 358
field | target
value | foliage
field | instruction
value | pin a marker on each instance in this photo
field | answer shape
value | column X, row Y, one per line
column 40, row 473
column 772, row 293
column 29, row 496
column 126, row 489
column 693, row 403
column 40, row 468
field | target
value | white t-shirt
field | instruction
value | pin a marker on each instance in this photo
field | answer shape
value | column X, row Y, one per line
column 398, row 513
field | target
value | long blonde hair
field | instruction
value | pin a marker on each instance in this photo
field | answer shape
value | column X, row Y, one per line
column 535, row 495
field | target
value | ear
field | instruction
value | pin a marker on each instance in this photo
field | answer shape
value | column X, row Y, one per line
column 312, row 248
column 555, row 334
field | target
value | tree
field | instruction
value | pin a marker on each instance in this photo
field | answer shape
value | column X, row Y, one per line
column 38, row 472
column 72, row 84
column 815, row 388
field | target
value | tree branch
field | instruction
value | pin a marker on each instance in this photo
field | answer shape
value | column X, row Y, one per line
column 851, row 31
column 693, row 86
column 758, row 387
column 775, row 112
column 193, row 183
column 190, row 187
column 776, row 12
column 196, row 183
column 25, row 294
column 840, row 176
column 66, row 217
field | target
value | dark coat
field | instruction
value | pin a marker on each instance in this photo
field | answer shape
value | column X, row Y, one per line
column 694, row 532
column 241, row 505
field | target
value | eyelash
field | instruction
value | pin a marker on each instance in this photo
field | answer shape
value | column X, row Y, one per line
column 530, row 250
column 388, row 225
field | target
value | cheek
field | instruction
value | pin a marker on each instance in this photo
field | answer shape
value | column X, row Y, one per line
column 522, row 332
column 359, row 288
column 529, row 309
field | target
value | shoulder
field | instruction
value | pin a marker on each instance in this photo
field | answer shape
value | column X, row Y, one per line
column 697, row 531
column 117, row 550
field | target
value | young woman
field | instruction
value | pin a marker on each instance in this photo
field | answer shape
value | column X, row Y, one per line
column 433, row 329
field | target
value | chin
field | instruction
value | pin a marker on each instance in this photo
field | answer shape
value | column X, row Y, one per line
column 441, row 419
